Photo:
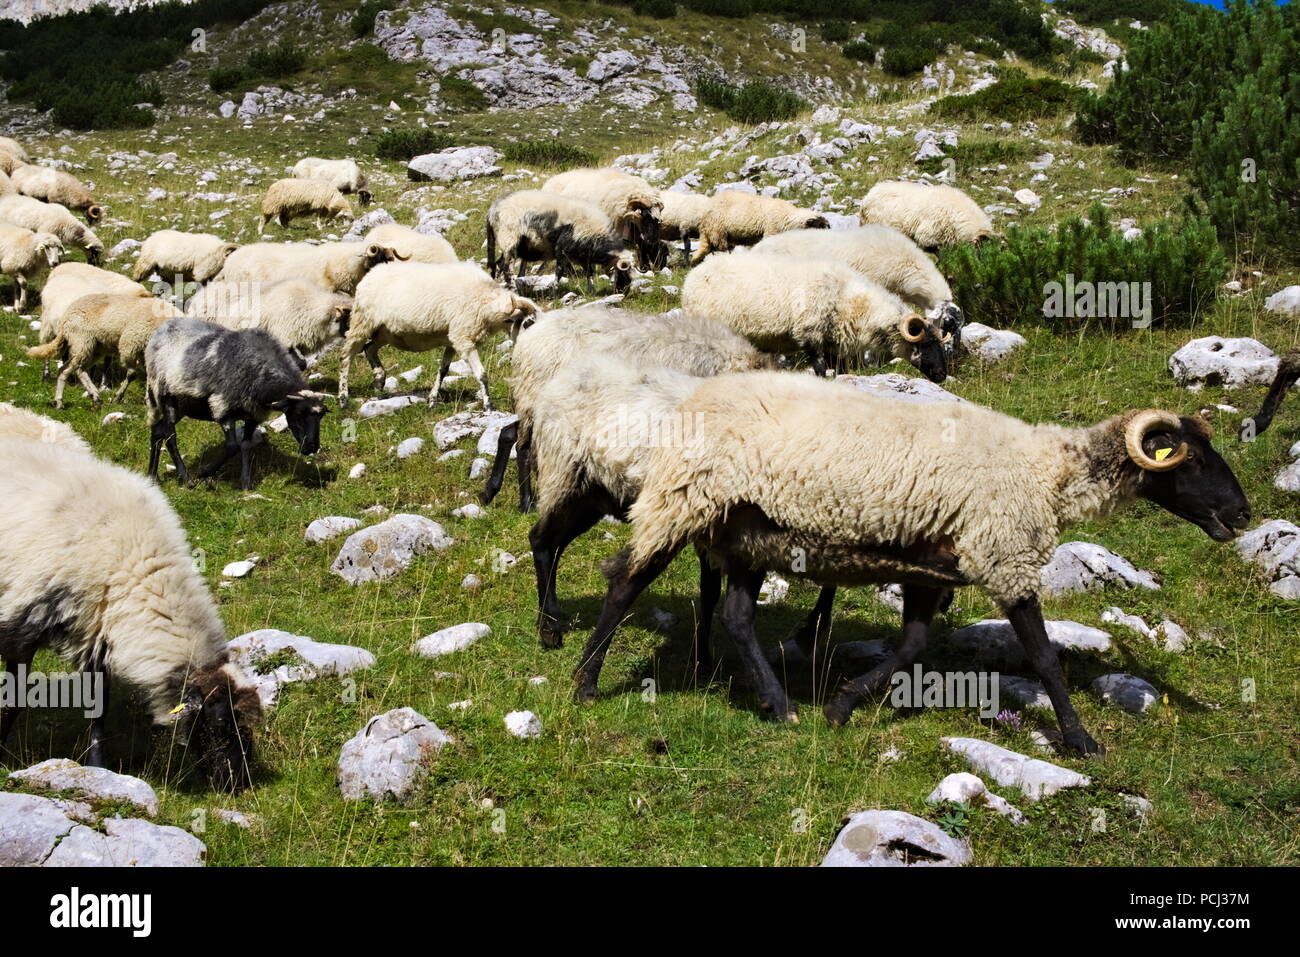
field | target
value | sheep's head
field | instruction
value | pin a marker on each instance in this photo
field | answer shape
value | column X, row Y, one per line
column 49, row 246
column 217, row 715
column 94, row 213
column 303, row 410
column 817, row 222
column 950, row 319
column 621, row 262
column 922, row 345
column 1183, row 474
column 376, row 254
column 94, row 248
column 341, row 208
column 365, row 196
column 342, row 317
column 523, row 312
column 646, row 212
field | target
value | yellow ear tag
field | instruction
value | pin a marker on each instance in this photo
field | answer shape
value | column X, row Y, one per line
column 1162, row 454
column 178, row 709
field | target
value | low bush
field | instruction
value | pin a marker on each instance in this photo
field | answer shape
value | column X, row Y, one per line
column 461, row 95
column 363, row 20
column 551, row 153
column 402, row 145
column 758, row 101
column 1015, row 96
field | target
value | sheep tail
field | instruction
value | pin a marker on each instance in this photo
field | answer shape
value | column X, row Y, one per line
column 50, row 350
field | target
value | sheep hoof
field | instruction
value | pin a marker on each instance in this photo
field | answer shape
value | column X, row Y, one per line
column 1081, row 742
column 584, row 694
column 551, row 637
column 837, row 715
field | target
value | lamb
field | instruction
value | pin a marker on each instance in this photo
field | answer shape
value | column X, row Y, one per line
column 420, row 306
column 25, row 255
column 1288, row 374
column 823, row 308
column 691, row 344
column 534, row 226
column 934, row 216
column 344, row 175
column 289, row 199
column 632, row 204
column 883, row 255
column 42, row 217
column 103, row 326
column 67, row 283
column 99, row 570
column 804, row 477
column 21, row 423
column 414, row 246
column 335, row 266
column 742, row 219
column 56, row 186
column 193, row 257
column 683, row 213
column 302, row 316
column 200, row 370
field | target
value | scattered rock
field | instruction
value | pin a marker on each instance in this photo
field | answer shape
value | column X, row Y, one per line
column 88, row 783
column 357, row 470
column 964, row 787
column 468, row 511
column 894, row 839
column 1024, row 691
column 452, row 165
column 375, row 407
column 239, row 569
column 384, row 550
column 1084, row 567
column 331, row 526
column 992, row 643
column 988, row 344
column 129, row 842
column 408, row 447
column 1231, row 363
column 308, row 659
column 1275, row 547
column 1035, row 778
column 455, row 638
column 1027, row 197
column 1287, row 302
column 384, row 758
column 523, row 724
column 470, row 424
column 1140, row 806
column 893, row 385
column 1125, row 691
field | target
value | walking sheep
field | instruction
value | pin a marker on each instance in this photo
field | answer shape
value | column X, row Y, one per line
column 100, row 571
column 419, row 306
column 742, row 219
column 335, row 266
column 301, row 315
column 823, row 308
column 42, row 217
column 289, row 199
column 632, row 205
column 934, row 216
column 533, row 226
column 797, row 476
column 25, row 255
column 194, row 257
column 1288, row 374
column 103, row 327
column 413, row 246
column 883, row 255
column 67, row 283
column 56, row 186
column 344, row 175
column 198, row 370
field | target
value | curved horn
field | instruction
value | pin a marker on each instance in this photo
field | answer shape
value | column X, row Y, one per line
column 912, row 328
column 1148, row 421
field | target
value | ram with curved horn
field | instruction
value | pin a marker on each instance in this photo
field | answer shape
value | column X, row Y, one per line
column 807, row 478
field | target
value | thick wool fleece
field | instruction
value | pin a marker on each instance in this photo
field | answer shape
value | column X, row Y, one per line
column 932, row 215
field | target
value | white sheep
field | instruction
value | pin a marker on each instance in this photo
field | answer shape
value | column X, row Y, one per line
column 103, row 326
column 683, row 213
column 414, row 246
column 194, row 257
column 933, row 215
column 13, row 147
column 535, row 226
column 289, row 199
column 632, row 204
column 16, row 422
column 42, row 217
column 344, row 175
column 420, row 306
column 56, row 186
column 336, row 266
column 100, row 571
column 26, row 255
column 300, row 314
column 6, row 184
column 781, row 304
column 67, row 283
column 805, row 477
column 736, row 218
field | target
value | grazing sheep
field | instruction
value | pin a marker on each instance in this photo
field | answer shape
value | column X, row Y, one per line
column 14, row 148
column 194, row 257
column 742, row 219
column 533, row 226
column 344, row 175
column 808, row 478
column 67, row 283
column 691, row 344
column 414, row 246
column 632, row 205
column 335, row 266
column 42, row 217
column 21, row 423
column 683, row 213
column 56, row 186
column 99, row 327
column 301, row 315
column 934, row 216
column 99, row 570
column 289, row 199
column 883, row 255
column 420, row 306
column 25, row 255
column 199, row 370
column 779, row 304
column 1288, row 374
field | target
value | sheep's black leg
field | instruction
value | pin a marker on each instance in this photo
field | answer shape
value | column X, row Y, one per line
column 246, row 455
column 444, row 365
column 549, row 537
column 1026, row 618
column 919, row 604
column 505, row 442
column 743, row 584
column 814, row 631
column 686, row 242
column 169, row 438
column 624, row 587
column 95, row 754
column 230, row 428
column 710, row 592
column 819, row 364
column 524, row 466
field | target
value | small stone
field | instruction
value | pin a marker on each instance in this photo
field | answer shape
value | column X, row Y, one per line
column 383, row 759
column 88, row 783
column 357, row 470
column 478, row 467
column 468, row 511
column 523, row 724
column 238, row 569
column 384, row 550
column 331, row 526
column 1128, row 692
column 408, row 447
column 471, row 583
column 455, row 638
column 894, row 839
column 1035, row 778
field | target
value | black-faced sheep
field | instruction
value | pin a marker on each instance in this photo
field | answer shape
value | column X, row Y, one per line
column 100, row 571
column 419, row 306
column 301, row 315
column 335, row 266
column 198, row 370
column 25, row 256
column 56, row 186
column 533, row 226
column 344, row 175
column 934, row 216
column 290, row 199
column 194, row 257
column 796, row 476
column 735, row 218
column 1288, row 374
column 632, row 205
column 42, row 217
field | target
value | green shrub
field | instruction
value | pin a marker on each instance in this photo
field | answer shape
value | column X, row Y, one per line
column 1002, row 285
column 223, row 79
column 363, row 20
column 110, row 104
column 974, row 154
column 714, row 91
column 552, row 153
column 461, row 95
column 906, row 60
column 273, row 62
column 1015, row 96
column 659, row 9
column 489, row 20
column 861, row 50
column 721, row 8
column 835, row 31
column 758, row 101
column 404, row 144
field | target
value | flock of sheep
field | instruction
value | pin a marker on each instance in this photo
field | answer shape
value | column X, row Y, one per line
column 763, row 469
